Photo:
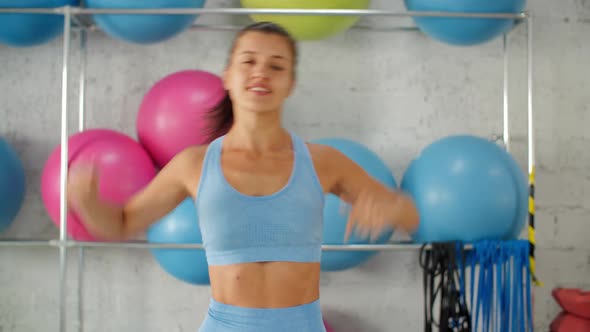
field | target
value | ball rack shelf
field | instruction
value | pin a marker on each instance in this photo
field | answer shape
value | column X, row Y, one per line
column 74, row 19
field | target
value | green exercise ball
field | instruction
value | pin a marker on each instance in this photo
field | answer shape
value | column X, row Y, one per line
column 308, row 27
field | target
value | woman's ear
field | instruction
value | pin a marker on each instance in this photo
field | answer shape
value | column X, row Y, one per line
column 292, row 88
column 224, row 78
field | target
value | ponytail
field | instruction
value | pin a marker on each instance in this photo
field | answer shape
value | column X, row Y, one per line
column 220, row 119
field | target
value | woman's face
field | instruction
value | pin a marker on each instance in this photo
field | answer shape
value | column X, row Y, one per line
column 260, row 76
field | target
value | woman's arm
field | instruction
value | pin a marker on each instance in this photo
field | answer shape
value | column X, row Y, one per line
column 375, row 207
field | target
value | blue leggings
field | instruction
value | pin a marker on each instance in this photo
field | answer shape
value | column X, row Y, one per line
column 228, row 318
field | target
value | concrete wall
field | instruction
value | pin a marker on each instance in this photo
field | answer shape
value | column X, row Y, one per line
column 394, row 91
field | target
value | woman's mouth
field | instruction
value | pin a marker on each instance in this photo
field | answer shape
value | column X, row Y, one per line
column 259, row 90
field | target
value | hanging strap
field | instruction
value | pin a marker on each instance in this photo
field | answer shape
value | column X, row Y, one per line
column 529, row 277
column 442, row 261
column 474, row 305
column 500, row 292
column 427, row 284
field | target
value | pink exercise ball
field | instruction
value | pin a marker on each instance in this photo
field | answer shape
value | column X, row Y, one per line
column 124, row 166
column 172, row 114
column 328, row 327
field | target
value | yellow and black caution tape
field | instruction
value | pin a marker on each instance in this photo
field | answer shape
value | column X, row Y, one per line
column 532, row 226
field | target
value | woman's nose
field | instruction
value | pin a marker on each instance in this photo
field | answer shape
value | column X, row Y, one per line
column 260, row 71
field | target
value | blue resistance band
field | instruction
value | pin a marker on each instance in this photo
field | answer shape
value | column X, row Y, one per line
column 502, row 300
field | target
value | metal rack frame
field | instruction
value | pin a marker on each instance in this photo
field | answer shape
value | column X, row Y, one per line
column 72, row 21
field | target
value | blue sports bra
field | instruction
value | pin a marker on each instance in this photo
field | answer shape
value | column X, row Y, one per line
column 284, row 226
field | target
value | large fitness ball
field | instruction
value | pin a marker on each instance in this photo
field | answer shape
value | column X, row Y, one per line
column 12, row 184
column 24, row 30
column 522, row 196
column 140, row 28
column 124, row 168
column 180, row 226
column 173, row 113
column 309, row 27
column 465, row 31
column 336, row 211
column 466, row 189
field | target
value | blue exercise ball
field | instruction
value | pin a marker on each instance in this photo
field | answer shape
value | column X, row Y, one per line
column 25, row 30
column 523, row 196
column 143, row 29
column 465, row 190
column 12, row 184
column 180, row 226
column 336, row 211
column 463, row 31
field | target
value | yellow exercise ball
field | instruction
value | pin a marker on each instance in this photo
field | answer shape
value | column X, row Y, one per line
column 308, row 27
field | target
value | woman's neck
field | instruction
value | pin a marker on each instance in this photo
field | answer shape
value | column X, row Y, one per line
column 258, row 131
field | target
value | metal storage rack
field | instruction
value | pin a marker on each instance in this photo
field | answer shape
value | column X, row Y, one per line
column 72, row 22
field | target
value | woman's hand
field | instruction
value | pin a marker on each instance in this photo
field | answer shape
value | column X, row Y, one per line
column 101, row 219
column 83, row 187
column 376, row 209
column 119, row 222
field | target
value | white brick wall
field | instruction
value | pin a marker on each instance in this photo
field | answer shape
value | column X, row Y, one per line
column 394, row 91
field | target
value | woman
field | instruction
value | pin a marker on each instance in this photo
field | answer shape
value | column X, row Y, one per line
column 259, row 190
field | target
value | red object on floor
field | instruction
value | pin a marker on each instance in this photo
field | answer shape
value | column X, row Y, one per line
column 565, row 322
column 573, row 301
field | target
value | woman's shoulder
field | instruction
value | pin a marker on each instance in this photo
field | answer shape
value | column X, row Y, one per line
column 322, row 151
column 187, row 166
column 328, row 158
column 192, row 154
column 188, row 160
column 328, row 163
column 324, row 156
